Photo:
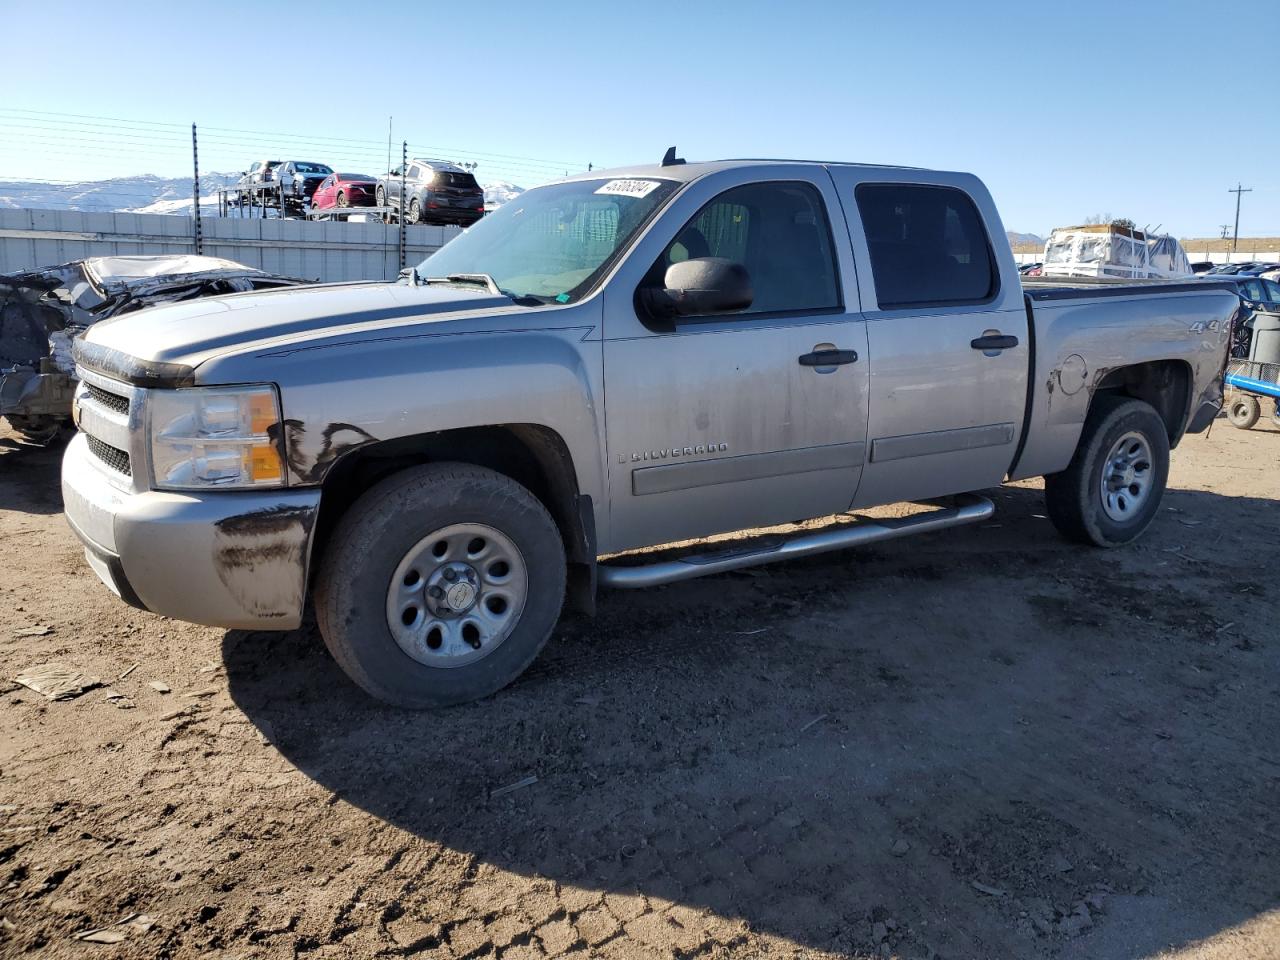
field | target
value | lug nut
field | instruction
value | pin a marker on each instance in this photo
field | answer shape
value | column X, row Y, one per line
column 436, row 593
column 451, row 574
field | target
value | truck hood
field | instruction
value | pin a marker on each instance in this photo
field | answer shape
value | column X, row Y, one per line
column 187, row 334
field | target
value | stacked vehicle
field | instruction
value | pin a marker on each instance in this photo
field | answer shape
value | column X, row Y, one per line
column 434, row 191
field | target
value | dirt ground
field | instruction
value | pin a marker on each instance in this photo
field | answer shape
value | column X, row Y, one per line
column 980, row 743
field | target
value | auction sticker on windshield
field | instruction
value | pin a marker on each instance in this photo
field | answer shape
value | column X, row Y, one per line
column 629, row 188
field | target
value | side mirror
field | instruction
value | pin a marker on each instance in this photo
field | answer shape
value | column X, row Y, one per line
column 703, row 286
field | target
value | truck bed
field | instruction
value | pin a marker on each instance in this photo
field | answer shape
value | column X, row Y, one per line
column 1041, row 289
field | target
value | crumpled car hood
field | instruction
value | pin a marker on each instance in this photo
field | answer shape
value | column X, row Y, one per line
column 41, row 310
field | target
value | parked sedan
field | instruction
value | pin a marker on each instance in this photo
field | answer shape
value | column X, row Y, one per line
column 345, row 190
column 1256, row 294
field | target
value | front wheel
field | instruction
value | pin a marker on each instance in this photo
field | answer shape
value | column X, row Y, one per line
column 342, row 200
column 415, row 212
column 1243, row 411
column 440, row 585
column 1111, row 490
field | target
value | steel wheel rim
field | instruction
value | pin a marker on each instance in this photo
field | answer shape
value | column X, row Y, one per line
column 1127, row 477
column 457, row 594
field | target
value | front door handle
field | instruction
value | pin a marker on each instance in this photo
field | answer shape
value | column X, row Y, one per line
column 828, row 358
column 994, row 341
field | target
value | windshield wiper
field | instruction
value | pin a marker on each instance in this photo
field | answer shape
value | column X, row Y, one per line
column 479, row 279
column 487, row 281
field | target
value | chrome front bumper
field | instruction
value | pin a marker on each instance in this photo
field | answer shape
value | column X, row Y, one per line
column 233, row 559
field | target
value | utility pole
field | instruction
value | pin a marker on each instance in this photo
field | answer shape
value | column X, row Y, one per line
column 1235, row 236
column 195, row 190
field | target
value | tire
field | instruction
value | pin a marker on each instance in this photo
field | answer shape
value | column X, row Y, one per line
column 1089, row 501
column 1243, row 411
column 382, row 197
column 342, row 200
column 415, row 211
column 382, row 556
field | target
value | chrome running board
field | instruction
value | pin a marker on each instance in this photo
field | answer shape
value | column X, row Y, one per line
column 967, row 508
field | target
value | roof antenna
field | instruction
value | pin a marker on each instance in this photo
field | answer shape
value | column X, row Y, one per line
column 669, row 159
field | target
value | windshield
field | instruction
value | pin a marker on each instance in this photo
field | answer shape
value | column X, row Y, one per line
column 311, row 168
column 552, row 242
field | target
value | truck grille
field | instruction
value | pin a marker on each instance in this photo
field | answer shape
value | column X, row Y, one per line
column 111, row 401
column 113, row 457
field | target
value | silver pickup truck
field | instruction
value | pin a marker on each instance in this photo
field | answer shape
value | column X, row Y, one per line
column 611, row 362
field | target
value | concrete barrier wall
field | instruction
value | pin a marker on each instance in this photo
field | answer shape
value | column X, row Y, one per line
column 294, row 248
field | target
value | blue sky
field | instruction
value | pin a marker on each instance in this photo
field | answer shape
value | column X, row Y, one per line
column 1146, row 110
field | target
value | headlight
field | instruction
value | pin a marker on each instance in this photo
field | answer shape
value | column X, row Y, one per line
column 215, row 437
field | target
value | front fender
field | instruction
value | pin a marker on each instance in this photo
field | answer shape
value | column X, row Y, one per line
column 338, row 396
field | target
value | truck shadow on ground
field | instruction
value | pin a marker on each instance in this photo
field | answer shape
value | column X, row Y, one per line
column 980, row 742
column 31, row 473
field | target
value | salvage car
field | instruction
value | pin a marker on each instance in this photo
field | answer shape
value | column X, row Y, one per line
column 300, row 179
column 42, row 311
column 1257, row 295
column 435, row 191
column 345, row 190
column 432, row 465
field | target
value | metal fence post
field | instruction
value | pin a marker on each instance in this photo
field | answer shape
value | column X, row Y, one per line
column 404, row 164
column 195, row 190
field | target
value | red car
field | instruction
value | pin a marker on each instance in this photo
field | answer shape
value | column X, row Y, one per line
column 345, row 190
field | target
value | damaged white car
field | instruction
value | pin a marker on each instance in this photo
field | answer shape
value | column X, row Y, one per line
column 43, row 310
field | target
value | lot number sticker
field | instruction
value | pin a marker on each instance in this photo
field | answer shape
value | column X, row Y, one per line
column 629, row 188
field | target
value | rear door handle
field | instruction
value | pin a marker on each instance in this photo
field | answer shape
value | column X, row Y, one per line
column 828, row 358
column 994, row 341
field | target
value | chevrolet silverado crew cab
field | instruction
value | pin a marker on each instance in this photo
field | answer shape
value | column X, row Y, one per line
column 611, row 362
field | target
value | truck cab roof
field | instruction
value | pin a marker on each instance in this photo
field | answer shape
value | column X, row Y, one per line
column 687, row 171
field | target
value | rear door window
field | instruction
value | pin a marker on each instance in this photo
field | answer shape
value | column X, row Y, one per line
column 928, row 245
column 779, row 231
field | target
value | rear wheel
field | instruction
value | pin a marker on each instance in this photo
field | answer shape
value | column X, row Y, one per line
column 440, row 585
column 1243, row 411
column 1111, row 490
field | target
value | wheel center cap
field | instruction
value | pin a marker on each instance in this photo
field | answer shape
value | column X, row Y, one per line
column 461, row 596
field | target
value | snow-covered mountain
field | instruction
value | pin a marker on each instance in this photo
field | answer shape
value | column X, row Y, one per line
column 1027, row 238
column 133, row 194
column 151, row 194
column 498, row 193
